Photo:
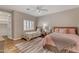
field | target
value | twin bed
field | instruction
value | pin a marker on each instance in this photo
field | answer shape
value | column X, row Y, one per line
column 30, row 35
column 63, row 39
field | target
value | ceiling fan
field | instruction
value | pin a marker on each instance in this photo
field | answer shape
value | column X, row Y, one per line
column 37, row 9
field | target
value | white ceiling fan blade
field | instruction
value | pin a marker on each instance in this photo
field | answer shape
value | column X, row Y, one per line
column 43, row 10
column 37, row 10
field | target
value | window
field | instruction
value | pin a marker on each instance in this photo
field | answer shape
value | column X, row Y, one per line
column 28, row 25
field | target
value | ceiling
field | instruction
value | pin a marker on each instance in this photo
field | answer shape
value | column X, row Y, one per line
column 50, row 8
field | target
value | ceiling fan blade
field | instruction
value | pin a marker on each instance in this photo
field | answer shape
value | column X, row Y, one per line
column 38, row 10
column 43, row 10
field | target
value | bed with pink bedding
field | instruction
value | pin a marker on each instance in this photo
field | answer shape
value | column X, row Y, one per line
column 59, row 42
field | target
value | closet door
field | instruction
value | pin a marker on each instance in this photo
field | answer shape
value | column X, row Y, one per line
column 5, row 24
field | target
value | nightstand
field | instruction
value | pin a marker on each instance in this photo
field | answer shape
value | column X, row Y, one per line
column 44, row 34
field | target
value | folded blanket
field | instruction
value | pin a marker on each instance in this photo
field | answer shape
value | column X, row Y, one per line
column 48, row 40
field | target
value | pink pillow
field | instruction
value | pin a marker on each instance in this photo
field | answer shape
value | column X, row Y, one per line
column 71, row 31
column 66, row 30
column 63, row 30
column 56, row 30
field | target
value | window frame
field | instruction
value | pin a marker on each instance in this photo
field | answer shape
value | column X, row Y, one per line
column 28, row 25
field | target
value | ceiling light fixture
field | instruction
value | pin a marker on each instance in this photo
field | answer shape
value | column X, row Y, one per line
column 38, row 9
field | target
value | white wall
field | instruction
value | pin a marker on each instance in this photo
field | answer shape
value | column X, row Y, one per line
column 65, row 18
column 3, row 29
column 18, row 18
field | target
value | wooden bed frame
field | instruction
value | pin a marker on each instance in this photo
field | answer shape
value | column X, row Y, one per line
column 76, row 29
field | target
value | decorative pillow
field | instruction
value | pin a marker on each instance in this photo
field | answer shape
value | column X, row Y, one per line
column 63, row 30
column 56, row 30
column 71, row 31
column 68, row 30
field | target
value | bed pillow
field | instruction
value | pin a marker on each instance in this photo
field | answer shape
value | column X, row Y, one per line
column 56, row 30
column 71, row 31
column 63, row 30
